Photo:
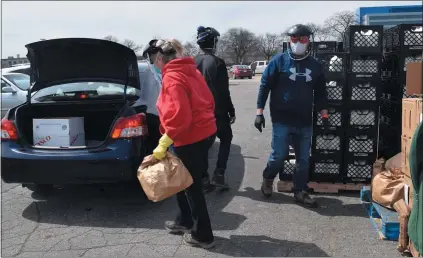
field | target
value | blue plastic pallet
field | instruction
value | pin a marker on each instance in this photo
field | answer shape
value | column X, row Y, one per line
column 385, row 221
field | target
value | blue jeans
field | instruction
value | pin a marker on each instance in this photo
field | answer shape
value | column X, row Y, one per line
column 301, row 142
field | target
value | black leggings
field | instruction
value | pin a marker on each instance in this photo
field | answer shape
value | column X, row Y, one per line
column 191, row 202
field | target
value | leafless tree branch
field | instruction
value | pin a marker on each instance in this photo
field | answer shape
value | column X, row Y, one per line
column 111, row 38
column 132, row 45
column 269, row 44
column 338, row 24
column 239, row 42
column 191, row 49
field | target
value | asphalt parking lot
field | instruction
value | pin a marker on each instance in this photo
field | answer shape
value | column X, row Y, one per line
column 115, row 220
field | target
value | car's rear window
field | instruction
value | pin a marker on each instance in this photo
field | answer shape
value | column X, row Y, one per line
column 19, row 80
column 91, row 89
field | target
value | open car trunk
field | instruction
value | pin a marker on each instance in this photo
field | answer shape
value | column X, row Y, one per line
column 99, row 118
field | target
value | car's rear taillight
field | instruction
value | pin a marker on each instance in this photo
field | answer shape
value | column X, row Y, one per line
column 8, row 130
column 128, row 127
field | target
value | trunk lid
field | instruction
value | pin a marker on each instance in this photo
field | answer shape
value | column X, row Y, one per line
column 68, row 60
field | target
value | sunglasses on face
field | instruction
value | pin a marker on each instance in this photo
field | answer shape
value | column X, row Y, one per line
column 301, row 39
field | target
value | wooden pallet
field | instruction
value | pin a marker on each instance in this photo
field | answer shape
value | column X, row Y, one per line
column 384, row 221
column 286, row 186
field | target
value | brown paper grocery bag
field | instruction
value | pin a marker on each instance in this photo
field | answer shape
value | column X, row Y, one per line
column 160, row 179
column 388, row 187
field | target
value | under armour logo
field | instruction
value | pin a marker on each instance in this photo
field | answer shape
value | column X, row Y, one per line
column 294, row 74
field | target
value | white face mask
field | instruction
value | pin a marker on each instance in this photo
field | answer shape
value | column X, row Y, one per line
column 298, row 48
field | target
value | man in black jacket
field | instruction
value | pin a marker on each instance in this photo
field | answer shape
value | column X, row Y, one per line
column 216, row 75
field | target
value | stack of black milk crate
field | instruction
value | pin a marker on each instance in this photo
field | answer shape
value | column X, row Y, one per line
column 327, row 143
column 402, row 44
column 364, row 45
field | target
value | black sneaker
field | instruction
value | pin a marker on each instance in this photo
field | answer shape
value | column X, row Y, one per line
column 207, row 187
column 267, row 187
column 218, row 179
column 304, row 198
column 191, row 241
column 175, row 228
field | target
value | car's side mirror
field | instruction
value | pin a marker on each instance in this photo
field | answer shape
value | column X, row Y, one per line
column 8, row 89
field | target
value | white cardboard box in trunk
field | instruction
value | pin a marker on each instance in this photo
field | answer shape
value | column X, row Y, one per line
column 59, row 132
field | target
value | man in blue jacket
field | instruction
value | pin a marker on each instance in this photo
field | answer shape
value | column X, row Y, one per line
column 291, row 78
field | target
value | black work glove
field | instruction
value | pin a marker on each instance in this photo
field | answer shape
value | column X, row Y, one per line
column 259, row 122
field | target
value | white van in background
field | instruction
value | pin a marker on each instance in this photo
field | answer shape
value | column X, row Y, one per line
column 261, row 65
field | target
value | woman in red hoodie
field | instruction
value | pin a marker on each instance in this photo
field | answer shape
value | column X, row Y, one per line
column 186, row 110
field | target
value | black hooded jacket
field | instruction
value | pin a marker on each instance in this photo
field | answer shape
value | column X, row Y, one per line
column 216, row 75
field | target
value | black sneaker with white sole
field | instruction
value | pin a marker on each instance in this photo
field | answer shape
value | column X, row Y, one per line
column 191, row 241
column 175, row 228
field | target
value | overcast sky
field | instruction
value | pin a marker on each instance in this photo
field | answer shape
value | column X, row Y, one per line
column 25, row 22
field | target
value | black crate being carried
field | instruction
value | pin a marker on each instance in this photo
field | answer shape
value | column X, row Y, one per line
column 364, row 117
column 334, row 65
column 365, row 66
column 364, row 39
column 361, row 143
column 326, row 168
column 363, row 91
column 335, row 118
column 403, row 37
column 325, row 46
column 358, row 169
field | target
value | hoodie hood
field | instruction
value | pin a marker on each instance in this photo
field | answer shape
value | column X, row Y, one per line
column 184, row 65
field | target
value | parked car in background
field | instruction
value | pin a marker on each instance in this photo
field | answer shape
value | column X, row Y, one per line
column 14, row 87
column 261, row 65
column 99, row 82
column 240, row 71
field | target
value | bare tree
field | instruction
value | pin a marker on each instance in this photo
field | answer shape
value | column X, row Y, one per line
column 269, row 44
column 338, row 23
column 191, row 49
column 132, row 45
column 320, row 32
column 239, row 42
column 111, row 38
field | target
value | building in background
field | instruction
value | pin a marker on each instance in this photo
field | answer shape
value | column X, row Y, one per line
column 11, row 61
column 389, row 16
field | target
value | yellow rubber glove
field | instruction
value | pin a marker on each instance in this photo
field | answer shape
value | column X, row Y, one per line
column 164, row 143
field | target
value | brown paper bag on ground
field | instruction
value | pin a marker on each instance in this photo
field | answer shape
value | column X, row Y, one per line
column 378, row 167
column 388, row 187
column 163, row 179
column 403, row 215
column 394, row 162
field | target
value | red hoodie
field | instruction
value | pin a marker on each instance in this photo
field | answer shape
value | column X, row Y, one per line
column 185, row 103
